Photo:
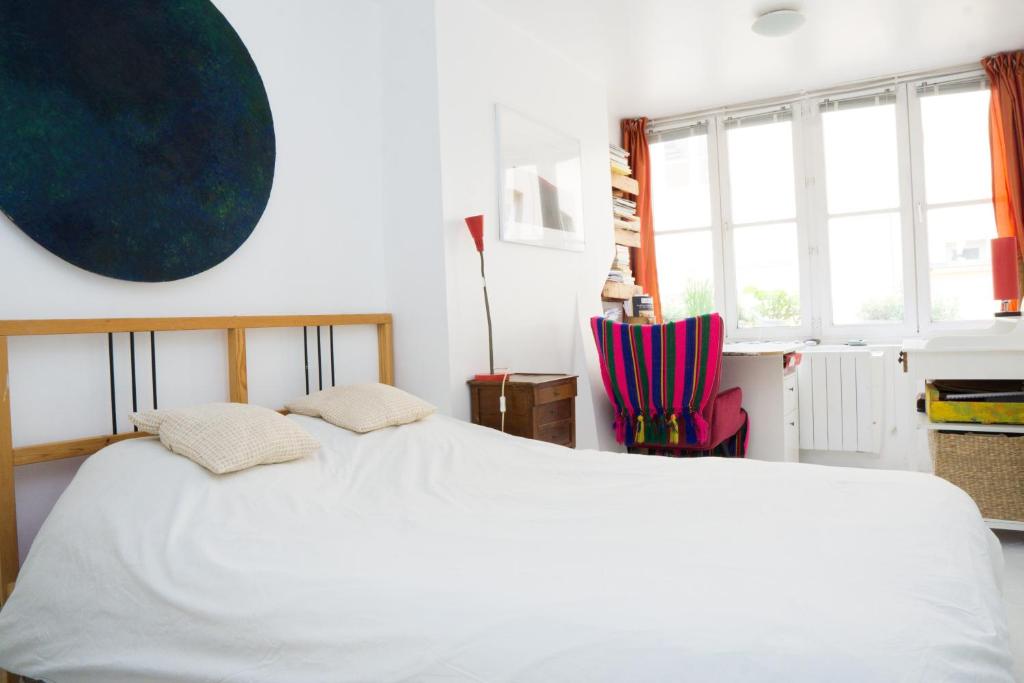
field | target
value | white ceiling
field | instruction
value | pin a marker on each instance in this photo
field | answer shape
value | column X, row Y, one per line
column 662, row 57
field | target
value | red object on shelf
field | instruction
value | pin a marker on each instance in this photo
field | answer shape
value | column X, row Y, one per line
column 496, row 377
column 1005, row 271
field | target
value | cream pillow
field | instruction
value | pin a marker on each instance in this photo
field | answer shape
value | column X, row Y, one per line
column 363, row 407
column 227, row 437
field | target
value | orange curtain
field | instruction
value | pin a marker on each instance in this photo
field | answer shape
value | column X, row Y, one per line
column 645, row 265
column 1006, row 135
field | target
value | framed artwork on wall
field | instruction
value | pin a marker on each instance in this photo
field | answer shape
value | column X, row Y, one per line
column 540, row 183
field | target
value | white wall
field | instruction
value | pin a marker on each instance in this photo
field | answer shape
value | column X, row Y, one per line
column 414, row 233
column 317, row 249
column 538, row 295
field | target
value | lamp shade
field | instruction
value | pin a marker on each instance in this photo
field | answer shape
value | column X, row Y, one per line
column 476, row 229
column 1005, row 269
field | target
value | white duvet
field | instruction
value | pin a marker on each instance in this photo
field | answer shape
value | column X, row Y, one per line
column 442, row 551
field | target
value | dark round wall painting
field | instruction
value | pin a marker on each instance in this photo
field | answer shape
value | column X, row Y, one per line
column 136, row 139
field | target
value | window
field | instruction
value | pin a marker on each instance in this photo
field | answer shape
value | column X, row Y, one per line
column 681, row 192
column 865, row 213
column 957, row 204
column 762, row 219
column 862, row 198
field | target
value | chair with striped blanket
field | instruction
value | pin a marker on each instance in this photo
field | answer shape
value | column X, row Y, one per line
column 663, row 381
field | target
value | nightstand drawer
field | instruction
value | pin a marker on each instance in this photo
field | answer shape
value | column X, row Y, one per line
column 556, row 392
column 552, row 412
column 560, row 433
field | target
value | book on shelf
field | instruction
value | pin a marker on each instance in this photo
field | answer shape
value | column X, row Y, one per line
column 621, row 200
column 643, row 303
column 621, row 170
column 622, row 276
column 633, row 225
column 620, row 212
column 618, row 155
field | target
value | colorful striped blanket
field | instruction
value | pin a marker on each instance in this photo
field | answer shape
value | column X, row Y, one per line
column 661, row 378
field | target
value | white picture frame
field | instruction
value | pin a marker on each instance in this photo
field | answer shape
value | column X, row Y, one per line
column 540, row 183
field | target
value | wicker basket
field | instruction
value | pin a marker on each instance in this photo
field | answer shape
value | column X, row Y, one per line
column 989, row 467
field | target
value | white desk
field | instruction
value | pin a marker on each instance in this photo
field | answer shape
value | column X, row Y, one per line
column 769, row 396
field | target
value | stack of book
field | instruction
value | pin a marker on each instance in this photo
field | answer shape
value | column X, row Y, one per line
column 623, row 203
column 643, row 307
column 621, row 270
column 621, row 285
column 624, row 210
column 619, row 159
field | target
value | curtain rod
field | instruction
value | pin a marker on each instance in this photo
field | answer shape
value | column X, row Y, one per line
column 666, row 122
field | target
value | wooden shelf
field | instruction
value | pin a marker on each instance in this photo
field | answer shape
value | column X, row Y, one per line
column 925, row 423
column 625, row 183
column 627, row 238
column 618, row 291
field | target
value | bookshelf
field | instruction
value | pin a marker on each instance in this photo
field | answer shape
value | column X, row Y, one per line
column 620, row 289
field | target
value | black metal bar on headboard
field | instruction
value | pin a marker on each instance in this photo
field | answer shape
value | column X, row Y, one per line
column 113, row 395
column 305, row 355
column 152, row 362
column 135, row 393
column 319, row 359
column 330, row 328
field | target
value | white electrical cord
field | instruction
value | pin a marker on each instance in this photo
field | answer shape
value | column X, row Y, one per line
column 501, row 401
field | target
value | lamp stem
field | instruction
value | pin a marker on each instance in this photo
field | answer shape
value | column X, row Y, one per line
column 487, row 307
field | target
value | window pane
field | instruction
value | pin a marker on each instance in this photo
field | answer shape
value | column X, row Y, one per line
column 960, row 261
column 957, row 159
column 767, row 275
column 685, row 274
column 680, row 186
column 861, row 169
column 761, row 172
column 866, row 263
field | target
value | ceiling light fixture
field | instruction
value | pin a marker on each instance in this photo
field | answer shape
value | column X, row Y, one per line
column 780, row 22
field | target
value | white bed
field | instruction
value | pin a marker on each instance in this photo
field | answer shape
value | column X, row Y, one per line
column 442, row 551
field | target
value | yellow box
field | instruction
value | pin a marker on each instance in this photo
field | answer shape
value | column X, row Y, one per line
column 990, row 413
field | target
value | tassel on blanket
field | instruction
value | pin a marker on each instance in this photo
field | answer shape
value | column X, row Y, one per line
column 620, row 429
column 673, row 429
column 654, row 430
column 639, row 435
column 701, row 427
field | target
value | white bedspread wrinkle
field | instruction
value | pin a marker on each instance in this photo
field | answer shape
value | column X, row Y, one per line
column 445, row 552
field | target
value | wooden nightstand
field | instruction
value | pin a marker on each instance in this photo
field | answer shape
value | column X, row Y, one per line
column 541, row 407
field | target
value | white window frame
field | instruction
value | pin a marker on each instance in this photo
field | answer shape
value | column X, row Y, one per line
column 733, row 329
column 714, row 188
column 919, row 209
column 812, row 217
column 818, row 197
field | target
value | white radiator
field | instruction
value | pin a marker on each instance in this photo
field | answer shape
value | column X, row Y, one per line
column 842, row 399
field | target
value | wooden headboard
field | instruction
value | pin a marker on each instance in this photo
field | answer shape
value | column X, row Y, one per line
column 237, row 381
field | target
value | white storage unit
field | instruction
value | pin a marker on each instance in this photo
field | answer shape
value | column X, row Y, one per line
column 770, row 397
